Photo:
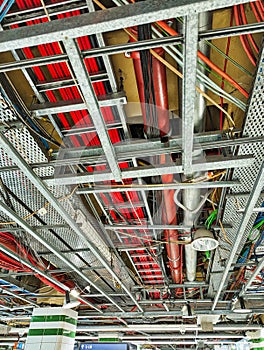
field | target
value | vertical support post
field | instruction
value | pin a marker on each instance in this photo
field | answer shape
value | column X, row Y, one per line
column 188, row 89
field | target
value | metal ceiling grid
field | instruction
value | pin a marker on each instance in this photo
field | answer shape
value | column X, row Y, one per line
column 78, row 58
column 75, row 58
column 68, row 235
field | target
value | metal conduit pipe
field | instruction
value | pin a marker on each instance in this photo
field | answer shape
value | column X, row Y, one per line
column 162, row 108
column 191, row 197
column 150, row 328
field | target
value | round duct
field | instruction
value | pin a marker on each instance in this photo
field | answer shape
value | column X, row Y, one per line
column 204, row 240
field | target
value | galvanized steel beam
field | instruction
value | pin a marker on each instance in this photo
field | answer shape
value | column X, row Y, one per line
column 152, row 328
column 210, row 164
column 153, row 227
column 105, row 21
column 31, row 266
column 218, row 33
column 42, row 109
column 158, row 187
column 8, row 211
column 129, row 150
column 33, row 62
column 189, row 90
column 92, row 104
column 132, row 46
column 258, row 269
column 64, row 82
column 4, row 291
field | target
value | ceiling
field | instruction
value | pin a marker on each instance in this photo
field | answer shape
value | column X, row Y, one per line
column 119, row 146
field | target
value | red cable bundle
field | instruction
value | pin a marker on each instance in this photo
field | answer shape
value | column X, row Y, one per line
column 10, row 242
column 243, row 38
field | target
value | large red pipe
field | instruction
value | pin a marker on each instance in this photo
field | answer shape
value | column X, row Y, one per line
column 169, row 217
column 160, row 88
column 161, row 99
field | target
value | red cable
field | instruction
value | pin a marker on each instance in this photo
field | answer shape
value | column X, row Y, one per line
column 252, row 4
column 260, row 8
column 206, row 60
column 243, row 38
column 244, row 21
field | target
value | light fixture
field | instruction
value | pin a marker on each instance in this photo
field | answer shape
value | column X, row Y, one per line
column 239, row 306
column 88, row 288
column 204, row 240
column 70, row 303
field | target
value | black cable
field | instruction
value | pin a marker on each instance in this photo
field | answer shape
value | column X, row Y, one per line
column 22, row 113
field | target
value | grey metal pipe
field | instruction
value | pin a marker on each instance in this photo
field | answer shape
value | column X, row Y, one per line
column 191, row 197
column 155, row 328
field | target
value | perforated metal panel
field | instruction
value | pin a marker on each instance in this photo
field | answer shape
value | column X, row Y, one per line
column 254, row 126
column 6, row 113
column 63, row 239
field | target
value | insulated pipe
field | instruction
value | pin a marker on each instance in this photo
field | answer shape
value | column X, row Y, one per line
column 169, row 217
column 162, row 104
column 191, row 197
column 160, row 88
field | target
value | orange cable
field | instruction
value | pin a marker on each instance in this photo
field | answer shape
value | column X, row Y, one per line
column 206, row 60
column 244, row 19
column 260, row 8
column 252, row 4
column 200, row 54
column 243, row 40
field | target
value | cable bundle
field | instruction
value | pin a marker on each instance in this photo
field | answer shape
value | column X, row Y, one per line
column 4, row 8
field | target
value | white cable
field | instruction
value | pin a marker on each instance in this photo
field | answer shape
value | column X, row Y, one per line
column 194, row 211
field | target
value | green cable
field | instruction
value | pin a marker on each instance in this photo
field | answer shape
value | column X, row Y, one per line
column 207, row 254
column 256, row 227
column 259, row 224
column 208, row 223
column 220, row 52
column 235, row 63
column 211, row 218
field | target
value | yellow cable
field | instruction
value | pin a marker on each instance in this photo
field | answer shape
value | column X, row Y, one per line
column 154, row 240
column 220, row 221
column 46, row 204
column 127, row 187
